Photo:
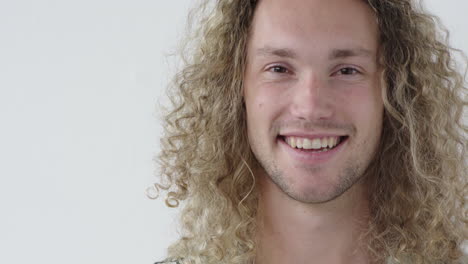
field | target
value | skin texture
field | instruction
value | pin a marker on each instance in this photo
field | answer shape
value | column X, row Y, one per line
column 312, row 69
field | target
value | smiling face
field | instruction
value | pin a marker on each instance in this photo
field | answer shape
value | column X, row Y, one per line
column 312, row 95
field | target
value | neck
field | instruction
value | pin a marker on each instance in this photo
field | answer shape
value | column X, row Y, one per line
column 293, row 232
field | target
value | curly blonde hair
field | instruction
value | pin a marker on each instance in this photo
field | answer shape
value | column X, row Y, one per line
column 418, row 185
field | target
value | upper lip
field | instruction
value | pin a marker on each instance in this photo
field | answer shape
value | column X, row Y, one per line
column 310, row 135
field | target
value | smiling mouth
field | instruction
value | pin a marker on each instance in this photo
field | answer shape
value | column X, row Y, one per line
column 313, row 145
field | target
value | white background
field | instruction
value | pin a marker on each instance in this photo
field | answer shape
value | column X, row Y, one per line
column 79, row 86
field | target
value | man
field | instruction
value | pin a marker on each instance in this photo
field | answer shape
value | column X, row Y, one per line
column 317, row 132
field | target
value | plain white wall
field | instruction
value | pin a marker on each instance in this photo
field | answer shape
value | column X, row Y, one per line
column 79, row 86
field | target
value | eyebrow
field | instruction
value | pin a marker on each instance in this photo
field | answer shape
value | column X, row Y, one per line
column 345, row 53
column 277, row 52
column 334, row 54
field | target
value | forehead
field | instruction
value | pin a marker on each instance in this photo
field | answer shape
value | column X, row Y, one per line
column 319, row 24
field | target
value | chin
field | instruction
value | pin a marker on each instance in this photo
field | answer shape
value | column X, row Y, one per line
column 315, row 186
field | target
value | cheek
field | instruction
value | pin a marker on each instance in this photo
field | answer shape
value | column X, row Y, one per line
column 255, row 107
column 264, row 107
column 264, row 101
column 257, row 113
column 364, row 105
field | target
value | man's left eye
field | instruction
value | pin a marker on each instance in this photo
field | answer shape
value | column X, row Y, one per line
column 348, row 71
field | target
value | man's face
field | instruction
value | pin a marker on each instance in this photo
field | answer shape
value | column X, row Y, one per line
column 312, row 74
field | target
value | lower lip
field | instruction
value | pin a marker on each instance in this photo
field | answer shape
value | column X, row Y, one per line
column 312, row 157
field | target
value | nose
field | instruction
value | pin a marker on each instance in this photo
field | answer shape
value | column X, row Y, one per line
column 312, row 99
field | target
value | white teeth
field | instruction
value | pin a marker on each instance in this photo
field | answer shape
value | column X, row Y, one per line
column 324, row 142
column 316, row 143
column 298, row 143
column 293, row 142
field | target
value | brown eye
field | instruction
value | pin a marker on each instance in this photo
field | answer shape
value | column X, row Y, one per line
column 348, row 71
column 279, row 69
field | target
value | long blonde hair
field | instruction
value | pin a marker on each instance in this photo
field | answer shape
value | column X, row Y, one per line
column 418, row 188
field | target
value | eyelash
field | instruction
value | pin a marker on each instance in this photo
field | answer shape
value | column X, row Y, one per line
column 356, row 71
column 271, row 69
